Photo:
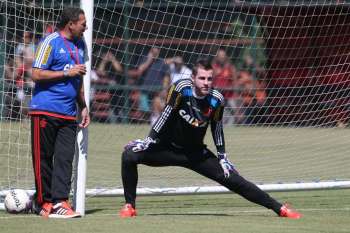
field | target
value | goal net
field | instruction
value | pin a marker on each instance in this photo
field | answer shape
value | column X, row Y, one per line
column 282, row 66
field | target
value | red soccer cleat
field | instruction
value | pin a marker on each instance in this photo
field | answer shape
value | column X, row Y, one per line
column 127, row 211
column 287, row 212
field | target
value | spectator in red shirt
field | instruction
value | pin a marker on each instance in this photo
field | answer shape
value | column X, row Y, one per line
column 225, row 79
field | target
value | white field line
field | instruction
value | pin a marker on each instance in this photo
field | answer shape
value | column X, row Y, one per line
column 10, row 216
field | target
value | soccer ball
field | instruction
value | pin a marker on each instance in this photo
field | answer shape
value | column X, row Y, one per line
column 17, row 201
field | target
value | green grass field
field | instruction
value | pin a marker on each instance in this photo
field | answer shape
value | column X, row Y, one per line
column 261, row 154
column 326, row 211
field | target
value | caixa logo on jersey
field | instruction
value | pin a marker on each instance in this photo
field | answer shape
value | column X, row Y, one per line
column 192, row 120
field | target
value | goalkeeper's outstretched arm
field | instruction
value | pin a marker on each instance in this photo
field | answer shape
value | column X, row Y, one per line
column 217, row 130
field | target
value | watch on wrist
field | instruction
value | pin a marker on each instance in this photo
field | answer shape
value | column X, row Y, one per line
column 65, row 73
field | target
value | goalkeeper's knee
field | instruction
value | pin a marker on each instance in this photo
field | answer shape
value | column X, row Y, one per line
column 128, row 156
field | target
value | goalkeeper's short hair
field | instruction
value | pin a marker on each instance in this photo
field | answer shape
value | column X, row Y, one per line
column 204, row 63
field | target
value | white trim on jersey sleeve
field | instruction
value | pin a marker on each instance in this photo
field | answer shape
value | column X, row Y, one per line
column 44, row 45
column 217, row 95
column 219, row 133
column 162, row 119
column 183, row 83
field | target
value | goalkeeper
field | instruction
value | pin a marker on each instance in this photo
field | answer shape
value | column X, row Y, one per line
column 176, row 139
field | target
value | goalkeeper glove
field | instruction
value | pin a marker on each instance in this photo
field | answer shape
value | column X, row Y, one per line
column 225, row 164
column 139, row 144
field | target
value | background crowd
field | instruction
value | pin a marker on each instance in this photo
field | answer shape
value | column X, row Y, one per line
column 136, row 93
column 149, row 79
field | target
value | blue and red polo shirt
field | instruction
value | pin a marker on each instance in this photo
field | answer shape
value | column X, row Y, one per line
column 57, row 98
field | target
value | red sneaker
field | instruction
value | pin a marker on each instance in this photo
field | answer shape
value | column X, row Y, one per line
column 287, row 212
column 63, row 210
column 45, row 209
column 127, row 211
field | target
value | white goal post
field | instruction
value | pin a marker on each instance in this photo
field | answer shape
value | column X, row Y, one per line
column 82, row 137
column 282, row 65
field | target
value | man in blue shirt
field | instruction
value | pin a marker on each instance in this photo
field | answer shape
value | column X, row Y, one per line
column 58, row 69
column 154, row 78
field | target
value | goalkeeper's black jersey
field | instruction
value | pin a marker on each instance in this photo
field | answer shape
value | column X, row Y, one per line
column 185, row 118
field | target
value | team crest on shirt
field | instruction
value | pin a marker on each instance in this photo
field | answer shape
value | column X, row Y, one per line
column 43, row 123
column 207, row 112
column 192, row 120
